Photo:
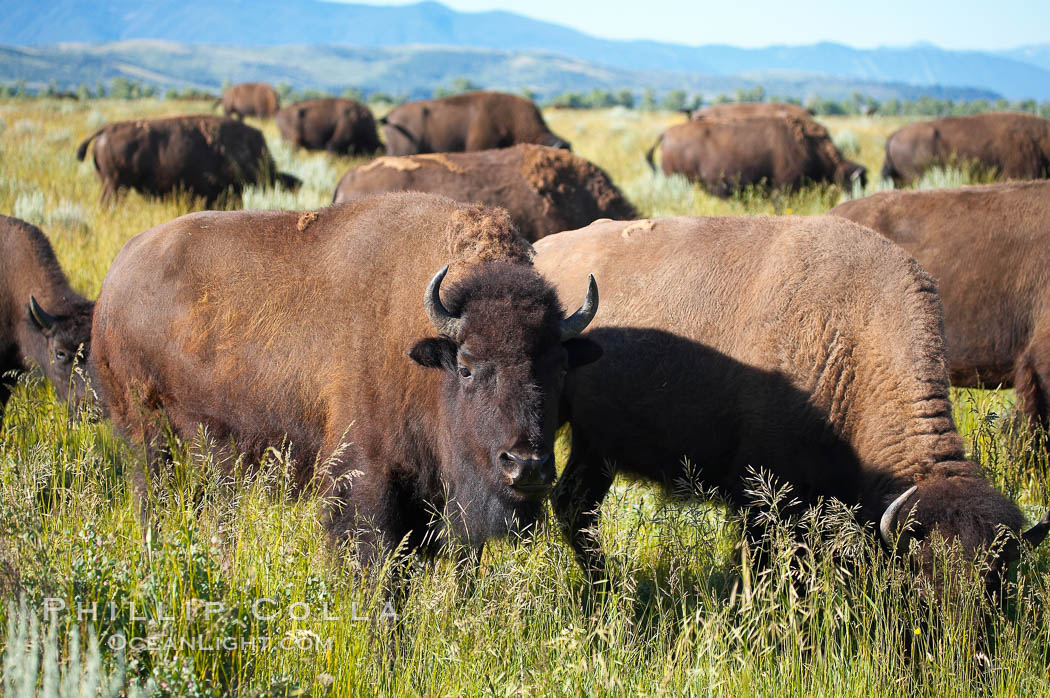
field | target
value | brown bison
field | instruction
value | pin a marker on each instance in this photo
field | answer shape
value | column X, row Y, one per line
column 1006, row 145
column 730, row 154
column 470, row 121
column 985, row 246
column 808, row 347
column 250, row 99
column 206, row 156
column 748, row 110
column 410, row 402
column 341, row 126
column 54, row 339
column 545, row 190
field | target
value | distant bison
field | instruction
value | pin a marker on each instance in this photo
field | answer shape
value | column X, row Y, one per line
column 545, row 190
column 43, row 322
column 988, row 247
column 747, row 110
column 250, row 99
column 730, row 154
column 811, row 348
column 422, row 410
column 206, row 156
column 470, row 121
column 341, row 126
column 1004, row 144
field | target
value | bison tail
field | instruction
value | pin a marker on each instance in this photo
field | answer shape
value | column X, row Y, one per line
column 82, row 148
column 649, row 153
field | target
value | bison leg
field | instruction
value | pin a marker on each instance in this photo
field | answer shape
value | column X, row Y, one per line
column 1032, row 380
column 576, row 501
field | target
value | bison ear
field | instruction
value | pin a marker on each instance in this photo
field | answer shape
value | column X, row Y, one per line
column 434, row 352
column 582, row 351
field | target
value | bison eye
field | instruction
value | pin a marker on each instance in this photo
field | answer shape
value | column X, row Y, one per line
column 61, row 355
column 464, row 371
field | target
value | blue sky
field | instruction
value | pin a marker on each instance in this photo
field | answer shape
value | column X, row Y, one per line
column 958, row 24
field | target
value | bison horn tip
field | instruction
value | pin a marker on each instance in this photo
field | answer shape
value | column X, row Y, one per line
column 43, row 320
column 888, row 523
column 444, row 322
column 576, row 323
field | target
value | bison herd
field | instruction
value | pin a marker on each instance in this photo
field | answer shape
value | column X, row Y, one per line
column 434, row 359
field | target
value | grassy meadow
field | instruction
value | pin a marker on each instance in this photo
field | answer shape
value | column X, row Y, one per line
column 237, row 593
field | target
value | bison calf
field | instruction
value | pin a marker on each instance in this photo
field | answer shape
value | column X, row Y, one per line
column 205, row 156
column 545, row 190
column 341, row 126
column 432, row 405
column 43, row 322
column 808, row 347
column 727, row 155
column 1007, row 145
column 470, row 121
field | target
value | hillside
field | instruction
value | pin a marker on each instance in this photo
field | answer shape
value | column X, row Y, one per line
column 1015, row 75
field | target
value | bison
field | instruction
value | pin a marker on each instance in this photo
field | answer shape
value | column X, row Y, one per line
column 53, row 339
column 470, row 121
column 341, row 126
column 545, row 190
column 985, row 246
column 206, row 156
column 729, row 154
column 1003, row 144
column 808, row 347
column 423, row 410
column 747, row 110
column 250, row 99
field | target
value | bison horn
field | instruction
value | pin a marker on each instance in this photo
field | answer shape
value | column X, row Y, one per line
column 888, row 523
column 1037, row 534
column 44, row 320
column 444, row 322
column 576, row 323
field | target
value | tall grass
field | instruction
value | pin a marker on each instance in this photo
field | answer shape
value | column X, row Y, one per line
column 686, row 613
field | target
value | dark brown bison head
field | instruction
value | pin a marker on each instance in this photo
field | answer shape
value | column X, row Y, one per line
column 849, row 172
column 505, row 347
column 64, row 342
column 984, row 527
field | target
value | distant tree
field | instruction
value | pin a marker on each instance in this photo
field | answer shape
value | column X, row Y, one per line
column 528, row 94
column 462, row 84
column 1001, row 105
column 1044, row 110
column 20, row 88
column 648, row 99
column 722, row 99
column 226, row 84
column 674, row 100
column 890, row 107
column 354, row 94
column 753, row 94
column 83, row 92
column 100, row 89
column 1028, row 105
column 625, row 98
column 571, row 100
column 284, row 91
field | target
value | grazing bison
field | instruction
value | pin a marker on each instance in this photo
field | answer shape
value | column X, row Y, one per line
column 411, row 403
column 988, row 247
column 30, row 336
column 545, row 190
column 809, row 347
column 1003, row 144
column 341, row 126
column 250, row 99
column 206, row 156
column 730, row 154
column 748, row 110
column 470, row 121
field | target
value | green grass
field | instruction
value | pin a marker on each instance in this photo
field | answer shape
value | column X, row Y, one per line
column 683, row 616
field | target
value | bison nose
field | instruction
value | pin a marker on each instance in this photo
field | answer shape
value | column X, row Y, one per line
column 528, row 472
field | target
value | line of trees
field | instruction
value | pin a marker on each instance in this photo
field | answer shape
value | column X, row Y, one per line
column 674, row 100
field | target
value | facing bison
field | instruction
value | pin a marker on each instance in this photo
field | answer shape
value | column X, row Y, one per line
column 545, row 190
column 470, row 121
column 341, row 126
column 206, row 156
column 428, row 401
column 730, row 154
column 809, row 347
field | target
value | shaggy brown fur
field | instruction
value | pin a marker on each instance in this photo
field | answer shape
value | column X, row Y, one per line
column 988, row 247
column 747, row 110
column 809, row 347
column 341, row 126
column 730, row 154
column 546, row 190
column 470, row 121
column 250, row 99
column 268, row 332
column 28, row 268
column 1006, row 145
column 206, row 156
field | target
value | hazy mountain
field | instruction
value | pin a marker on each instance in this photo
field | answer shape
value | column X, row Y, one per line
column 312, row 22
column 1037, row 55
column 412, row 71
